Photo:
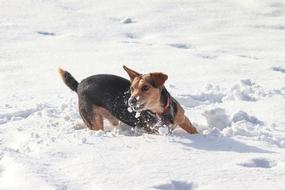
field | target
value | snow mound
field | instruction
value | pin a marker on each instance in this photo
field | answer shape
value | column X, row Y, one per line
column 246, row 91
column 217, row 118
column 240, row 124
column 210, row 95
column 242, row 116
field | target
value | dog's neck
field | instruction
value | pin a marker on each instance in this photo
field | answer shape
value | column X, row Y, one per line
column 164, row 101
column 168, row 107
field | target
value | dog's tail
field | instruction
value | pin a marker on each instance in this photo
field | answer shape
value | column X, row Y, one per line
column 68, row 79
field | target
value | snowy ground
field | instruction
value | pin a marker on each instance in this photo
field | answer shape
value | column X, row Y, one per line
column 226, row 65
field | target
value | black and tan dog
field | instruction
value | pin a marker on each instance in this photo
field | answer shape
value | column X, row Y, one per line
column 110, row 97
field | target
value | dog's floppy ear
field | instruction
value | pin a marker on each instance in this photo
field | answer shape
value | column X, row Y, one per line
column 132, row 74
column 159, row 79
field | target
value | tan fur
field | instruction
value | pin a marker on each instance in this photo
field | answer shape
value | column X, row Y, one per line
column 101, row 114
column 159, row 78
column 107, row 115
column 97, row 123
column 132, row 74
column 182, row 120
column 150, row 98
column 61, row 72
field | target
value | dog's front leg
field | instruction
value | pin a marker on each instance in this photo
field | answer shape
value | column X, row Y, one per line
column 187, row 126
column 182, row 120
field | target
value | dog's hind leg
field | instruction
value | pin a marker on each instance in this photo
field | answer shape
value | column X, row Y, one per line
column 106, row 115
column 97, row 123
column 93, row 120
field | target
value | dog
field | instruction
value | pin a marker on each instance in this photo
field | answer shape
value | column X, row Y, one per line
column 149, row 93
column 111, row 97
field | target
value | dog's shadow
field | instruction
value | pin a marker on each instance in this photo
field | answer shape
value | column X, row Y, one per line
column 202, row 142
column 208, row 142
column 214, row 143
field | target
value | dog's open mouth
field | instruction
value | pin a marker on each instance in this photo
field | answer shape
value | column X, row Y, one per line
column 138, row 107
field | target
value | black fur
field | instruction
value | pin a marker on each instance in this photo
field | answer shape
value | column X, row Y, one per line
column 169, row 115
column 70, row 81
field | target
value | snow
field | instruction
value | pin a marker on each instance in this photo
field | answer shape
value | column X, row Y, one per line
column 127, row 21
column 138, row 114
column 259, row 162
column 225, row 62
column 163, row 130
column 130, row 109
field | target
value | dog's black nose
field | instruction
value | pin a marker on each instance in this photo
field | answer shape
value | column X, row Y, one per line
column 132, row 101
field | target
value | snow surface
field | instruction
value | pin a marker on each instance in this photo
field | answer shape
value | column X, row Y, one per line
column 226, row 66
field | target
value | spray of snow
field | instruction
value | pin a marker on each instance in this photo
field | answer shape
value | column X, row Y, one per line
column 138, row 114
column 163, row 130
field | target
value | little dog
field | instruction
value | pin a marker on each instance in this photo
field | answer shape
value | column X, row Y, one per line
column 114, row 98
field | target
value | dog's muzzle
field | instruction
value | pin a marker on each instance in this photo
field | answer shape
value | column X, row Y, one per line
column 132, row 101
column 134, row 104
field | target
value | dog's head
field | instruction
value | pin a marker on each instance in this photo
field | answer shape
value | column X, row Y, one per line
column 145, row 90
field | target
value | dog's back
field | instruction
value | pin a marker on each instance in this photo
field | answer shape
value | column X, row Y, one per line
column 110, row 92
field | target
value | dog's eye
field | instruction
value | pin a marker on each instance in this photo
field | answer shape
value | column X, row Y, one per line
column 145, row 88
